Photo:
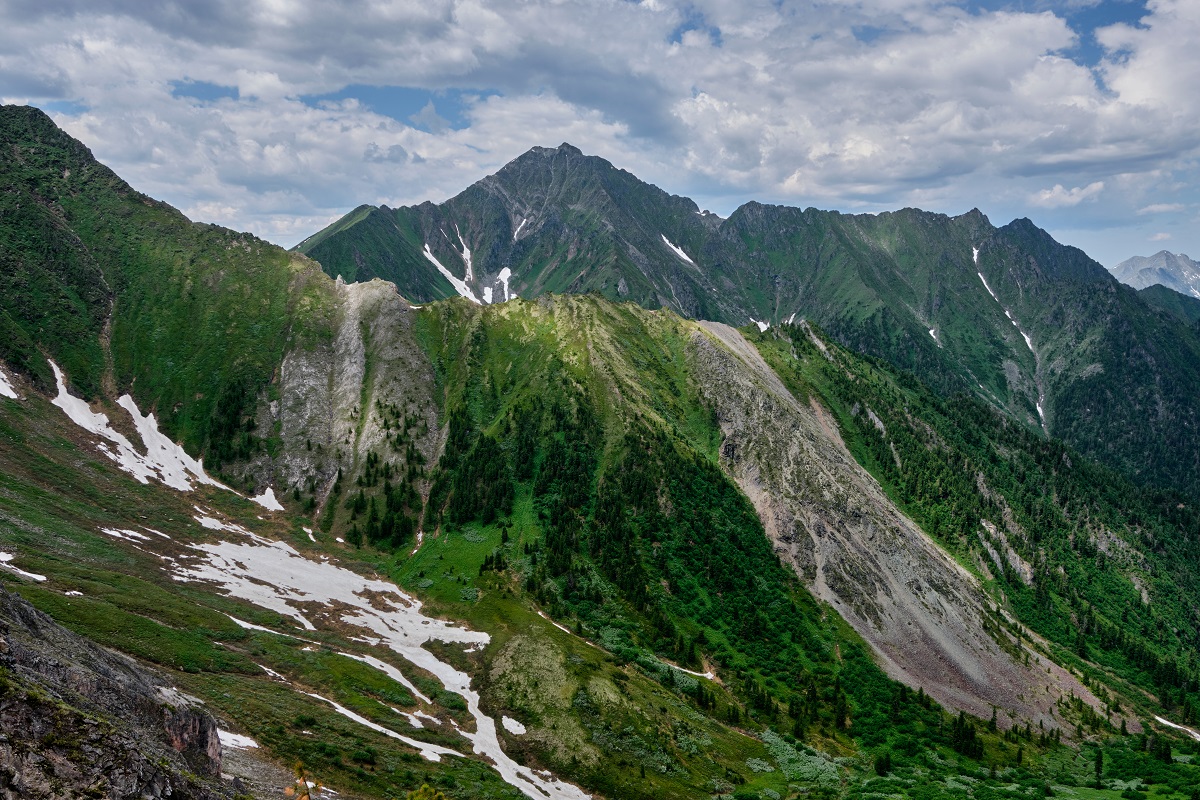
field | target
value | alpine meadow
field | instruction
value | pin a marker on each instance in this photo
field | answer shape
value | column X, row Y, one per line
column 566, row 488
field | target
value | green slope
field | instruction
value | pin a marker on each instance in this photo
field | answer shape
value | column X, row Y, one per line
column 123, row 290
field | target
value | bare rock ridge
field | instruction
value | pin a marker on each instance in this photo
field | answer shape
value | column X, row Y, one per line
column 923, row 613
column 77, row 720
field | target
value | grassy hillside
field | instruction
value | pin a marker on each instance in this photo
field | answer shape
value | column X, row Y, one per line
column 125, row 292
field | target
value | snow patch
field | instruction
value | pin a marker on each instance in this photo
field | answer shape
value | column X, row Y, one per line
column 130, row 536
column 272, row 672
column 512, row 726
column 1187, row 730
column 791, row 318
column 216, row 525
column 6, row 387
column 267, row 500
column 466, row 256
column 762, row 326
column 73, row 593
column 933, row 333
column 430, row 752
column 975, row 258
column 517, row 232
column 5, row 561
column 250, row 626
column 235, row 740
column 1028, row 341
column 391, row 672
column 989, row 289
column 487, row 294
column 677, row 249
column 503, row 277
column 459, row 285
column 273, row 575
column 164, row 460
column 170, row 460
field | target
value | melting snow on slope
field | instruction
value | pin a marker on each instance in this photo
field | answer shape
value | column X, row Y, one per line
column 989, row 289
column 459, row 285
column 975, row 258
column 415, row 717
column 430, row 752
column 6, row 562
column 250, row 626
column 762, row 326
column 466, row 256
column 791, row 318
column 168, row 458
column 512, row 726
column 235, row 740
column 164, row 459
column 487, row 294
column 275, row 576
column 391, row 672
column 1028, row 341
column 1170, row 724
column 518, row 230
column 267, row 500
column 933, row 333
column 504, row 276
column 678, row 250
column 6, row 388
column 216, row 524
column 129, row 536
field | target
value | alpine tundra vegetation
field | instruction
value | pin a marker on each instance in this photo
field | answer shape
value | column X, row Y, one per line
column 565, row 489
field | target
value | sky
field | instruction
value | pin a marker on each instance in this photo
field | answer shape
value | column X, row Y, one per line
column 278, row 116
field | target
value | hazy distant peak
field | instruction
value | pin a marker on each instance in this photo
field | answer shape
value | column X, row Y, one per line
column 1173, row 270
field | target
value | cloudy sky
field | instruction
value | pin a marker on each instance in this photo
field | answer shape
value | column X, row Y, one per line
column 277, row 116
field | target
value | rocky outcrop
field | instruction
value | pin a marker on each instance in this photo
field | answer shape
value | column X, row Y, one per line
column 332, row 394
column 79, row 721
column 923, row 613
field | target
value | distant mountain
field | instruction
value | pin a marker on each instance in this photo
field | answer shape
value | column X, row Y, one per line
column 1173, row 270
column 1033, row 327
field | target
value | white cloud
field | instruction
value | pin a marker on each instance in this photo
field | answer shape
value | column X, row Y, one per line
column 1058, row 197
column 1160, row 237
column 1160, row 208
column 938, row 105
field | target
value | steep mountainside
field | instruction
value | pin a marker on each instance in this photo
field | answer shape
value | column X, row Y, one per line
column 1172, row 270
column 1033, row 327
column 565, row 547
column 1184, row 308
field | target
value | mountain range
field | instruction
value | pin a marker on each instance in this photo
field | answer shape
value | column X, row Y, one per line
column 788, row 504
column 1034, row 328
column 1174, row 271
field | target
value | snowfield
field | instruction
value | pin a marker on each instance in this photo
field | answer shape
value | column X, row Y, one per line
column 274, row 576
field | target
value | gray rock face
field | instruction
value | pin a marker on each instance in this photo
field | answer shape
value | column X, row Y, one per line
column 79, row 721
column 328, row 414
column 1175, row 271
column 922, row 612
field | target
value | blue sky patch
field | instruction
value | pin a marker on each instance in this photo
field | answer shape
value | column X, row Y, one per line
column 409, row 105
column 203, row 90
column 69, row 107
